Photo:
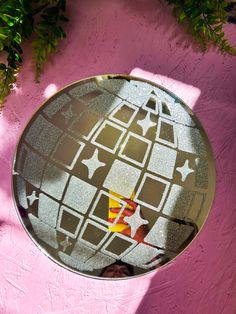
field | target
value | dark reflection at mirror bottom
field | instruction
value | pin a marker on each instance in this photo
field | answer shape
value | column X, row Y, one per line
column 121, row 269
column 118, row 269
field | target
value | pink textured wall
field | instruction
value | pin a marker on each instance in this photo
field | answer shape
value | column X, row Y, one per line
column 142, row 38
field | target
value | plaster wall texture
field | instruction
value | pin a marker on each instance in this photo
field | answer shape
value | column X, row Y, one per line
column 141, row 38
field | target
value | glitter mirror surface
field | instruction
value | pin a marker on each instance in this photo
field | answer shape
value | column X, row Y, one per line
column 113, row 177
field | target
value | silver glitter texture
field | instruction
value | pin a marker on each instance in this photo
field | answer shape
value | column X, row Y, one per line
column 125, row 90
column 138, row 99
column 79, row 194
column 43, row 135
column 48, row 210
column 83, row 89
column 143, row 87
column 33, row 168
column 54, row 181
column 79, row 256
column 122, row 178
column 162, row 160
column 177, row 113
column 21, row 192
column 197, row 206
column 115, row 86
column 74, row 263
column 99, row 261
column 141, row 255
column 201, row 173
column 83, row 259
column 178, row 202
column 104, row 104
column 190, row 140
column 168, row 234
column 163, row 96
column 65, row 243
column 82, row 252
column 43, row 231
column 68, row 114
column 56, row 105
column 143, row 93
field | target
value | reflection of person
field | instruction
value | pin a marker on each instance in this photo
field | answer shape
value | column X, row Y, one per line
column 120, row 269
column 117, row 270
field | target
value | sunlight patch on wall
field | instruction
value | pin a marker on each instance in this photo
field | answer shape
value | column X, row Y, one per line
column 188, row 93
column 50, row 90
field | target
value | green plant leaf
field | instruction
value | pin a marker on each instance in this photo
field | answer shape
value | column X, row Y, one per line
column 17, row 38
column 10, row 20
column 2, row 66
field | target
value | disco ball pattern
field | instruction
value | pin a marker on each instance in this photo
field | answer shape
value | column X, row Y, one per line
column 98, row 140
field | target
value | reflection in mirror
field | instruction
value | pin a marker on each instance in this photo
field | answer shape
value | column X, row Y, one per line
column 113, row 177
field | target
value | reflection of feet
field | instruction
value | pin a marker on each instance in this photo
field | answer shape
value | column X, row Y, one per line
column 128, row 212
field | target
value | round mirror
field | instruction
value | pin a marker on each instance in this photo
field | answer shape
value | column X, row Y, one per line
column 113, row 177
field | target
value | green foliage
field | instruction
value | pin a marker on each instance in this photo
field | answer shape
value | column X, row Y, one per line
column 7, row 78
column 48, row 32
column 19, row 19
column 205, row 20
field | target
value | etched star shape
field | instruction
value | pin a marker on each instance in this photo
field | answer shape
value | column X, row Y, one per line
column 93, row 163
column 146, row 123
column 135, row 221
column 184, row 170
column 32, row 198
column 68, row 114
column 65, row 243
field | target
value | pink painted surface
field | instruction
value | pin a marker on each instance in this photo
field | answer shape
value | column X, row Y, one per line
column 142, row 38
